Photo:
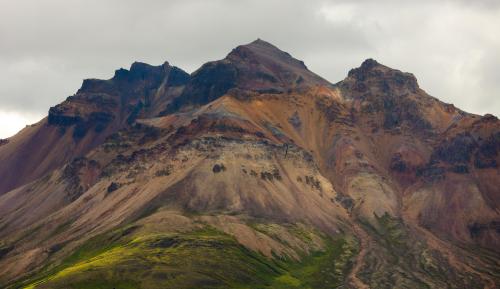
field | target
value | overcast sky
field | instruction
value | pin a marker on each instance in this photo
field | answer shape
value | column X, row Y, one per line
column 47, row 47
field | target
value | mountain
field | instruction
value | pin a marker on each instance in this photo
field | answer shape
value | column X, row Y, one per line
column 252, row 172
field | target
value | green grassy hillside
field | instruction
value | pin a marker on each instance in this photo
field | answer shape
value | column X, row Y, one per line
column 203, row 258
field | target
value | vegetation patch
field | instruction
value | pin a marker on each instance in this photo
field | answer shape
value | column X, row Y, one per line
column 398, row 259
column 326, row 269
column 204, row 258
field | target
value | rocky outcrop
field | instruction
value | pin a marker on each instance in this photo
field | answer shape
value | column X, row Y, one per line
column 208, row 83
column 258, row 66
column 374, row 78
column 80, row 175
column 465, row 150
column 487, row 152
column 85, row 119
column 119, row 100
column 389, row 95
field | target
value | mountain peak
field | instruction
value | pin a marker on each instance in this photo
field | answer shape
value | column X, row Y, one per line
column 258, row 66
column 257, row 160
column 263, row 45
column 261, row 42
column 142, row 66
column 141, row 70
column 371, row 74
column 367, row 68
column 263, row 52
column 369, row 63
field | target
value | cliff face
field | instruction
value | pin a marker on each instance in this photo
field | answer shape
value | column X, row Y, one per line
column 227, row 177
column 82, row 122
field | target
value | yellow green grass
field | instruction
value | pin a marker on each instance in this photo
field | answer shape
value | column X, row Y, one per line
column 200, row 259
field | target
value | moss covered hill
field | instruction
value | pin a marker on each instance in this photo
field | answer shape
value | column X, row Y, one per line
column 252, row 172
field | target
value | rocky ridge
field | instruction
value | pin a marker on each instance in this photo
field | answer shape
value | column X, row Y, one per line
column 258, row 168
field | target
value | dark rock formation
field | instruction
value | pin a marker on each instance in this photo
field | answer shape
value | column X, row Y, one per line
column 218, row 168
column 431, row 173
column 295, row 121
column 485, row 156
column 476, row 230
column 113, row 187
column 457, row 150
column 387, row 92
column 258, row 66
column 211, row 81
column 120, row 100
column 398, row 164
column 79, row 175
column 372, row 76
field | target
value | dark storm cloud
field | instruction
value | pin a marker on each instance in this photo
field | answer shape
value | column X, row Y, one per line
column 48, row 47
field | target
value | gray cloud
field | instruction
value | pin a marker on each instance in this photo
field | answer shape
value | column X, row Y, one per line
column 48, row 47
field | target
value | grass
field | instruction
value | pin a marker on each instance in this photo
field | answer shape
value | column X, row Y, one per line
column 399, row 259
column 88, row 250
column 204, row 258
column 320, row 270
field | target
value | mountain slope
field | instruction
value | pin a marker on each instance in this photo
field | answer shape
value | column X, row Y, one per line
column 253, row 172
column 84, row 120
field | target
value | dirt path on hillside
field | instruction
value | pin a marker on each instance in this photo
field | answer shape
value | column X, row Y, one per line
column 364, row 244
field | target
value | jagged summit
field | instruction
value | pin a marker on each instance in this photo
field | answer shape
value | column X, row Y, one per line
column 139, row 74
column 370, row 63
column 99, row 108
column 370, row 69
column 140, row 70
column 259, row 174
column 375, row 78
column 258, row 66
